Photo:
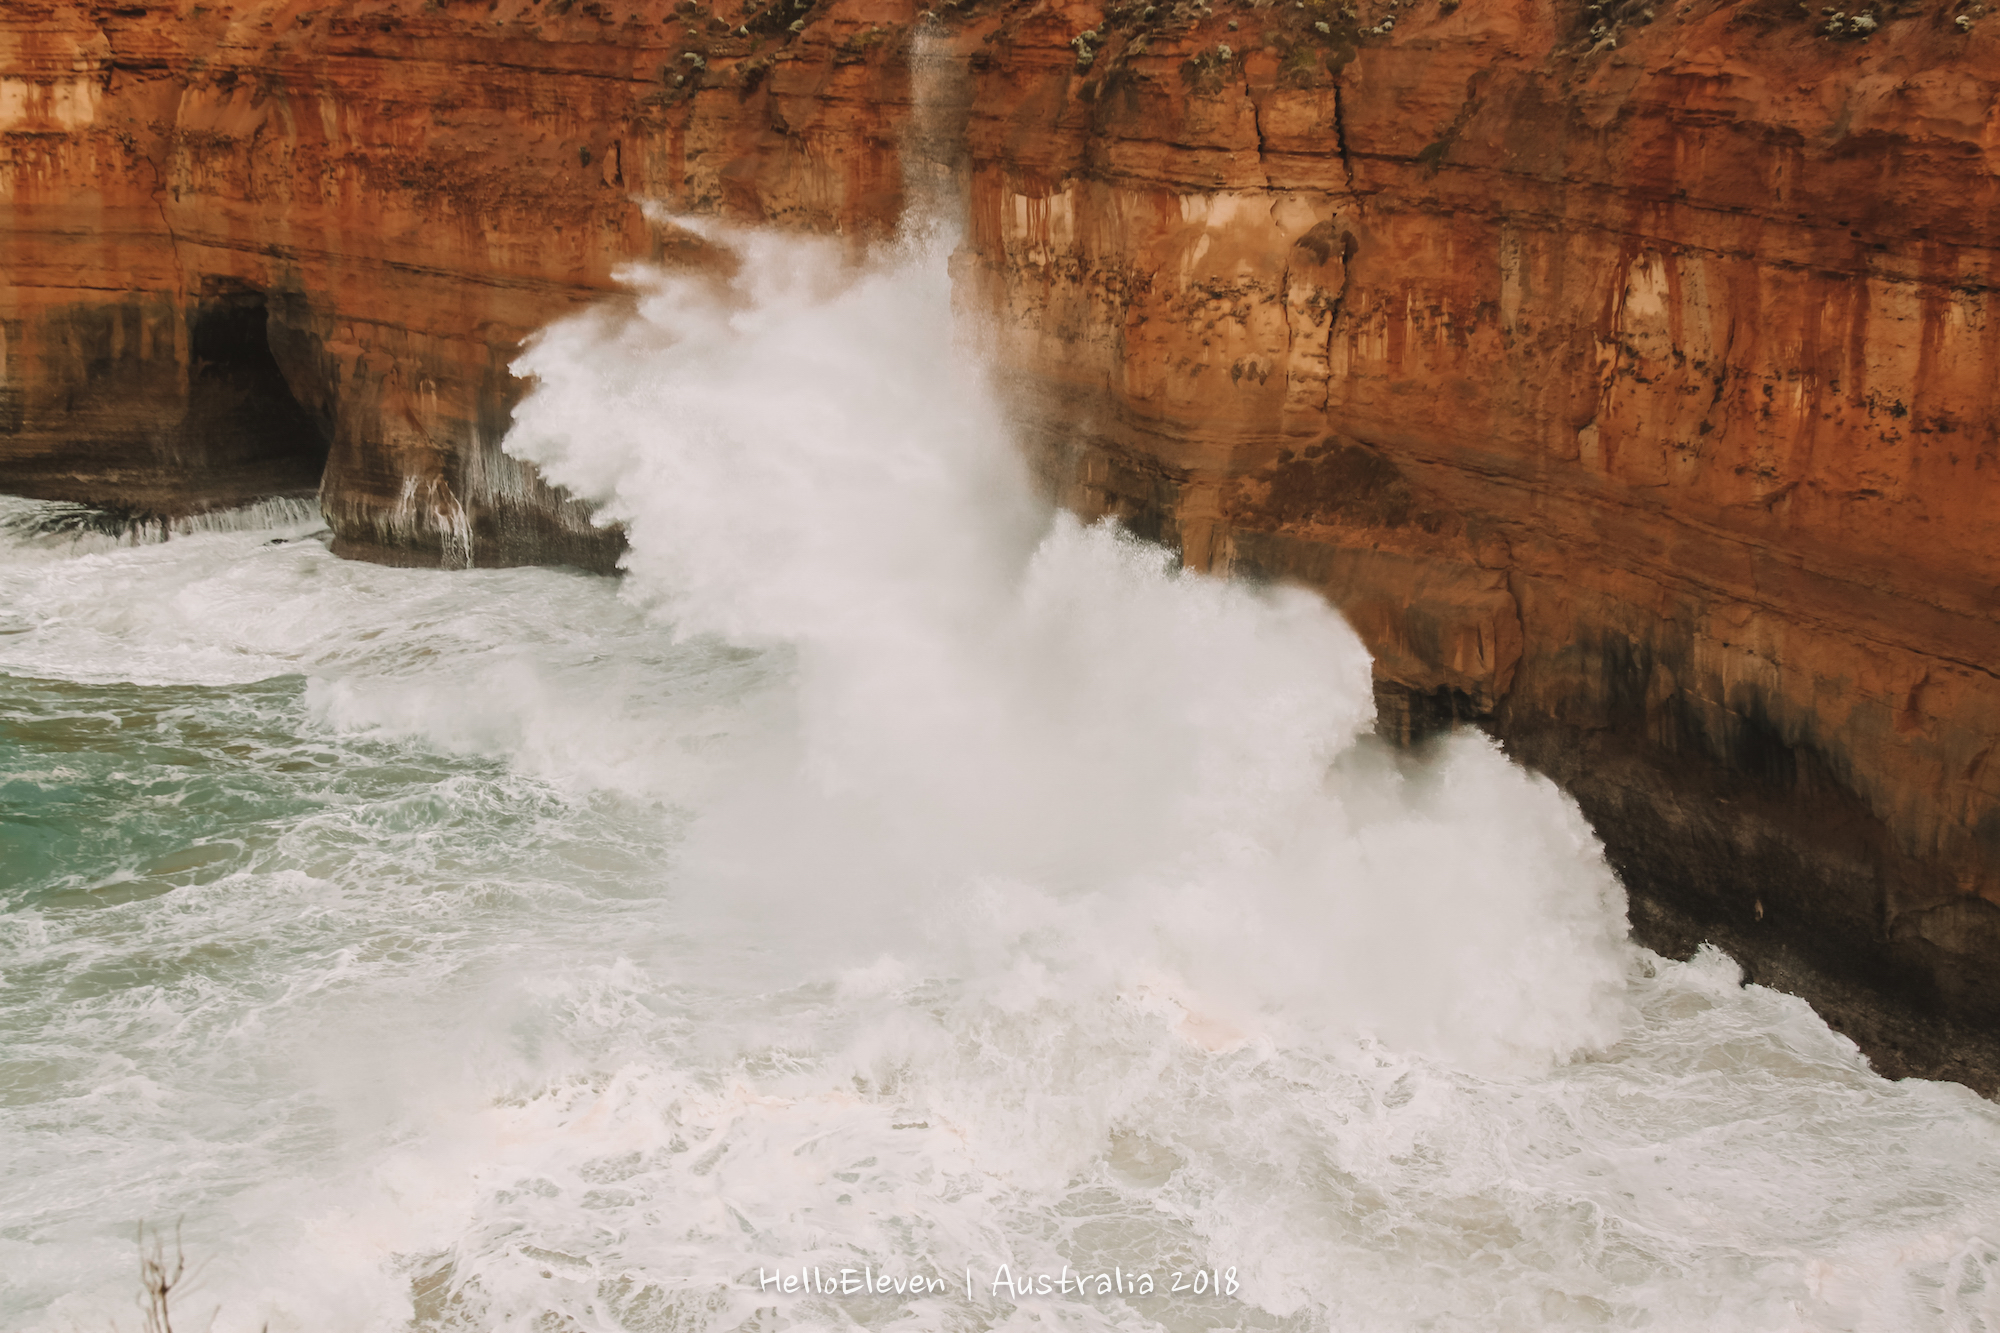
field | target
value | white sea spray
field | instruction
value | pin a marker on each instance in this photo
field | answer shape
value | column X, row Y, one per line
column 888, row 874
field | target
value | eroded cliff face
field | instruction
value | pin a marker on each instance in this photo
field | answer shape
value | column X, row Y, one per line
column 1633, row 392
column 405, row 191
column 1625, row 375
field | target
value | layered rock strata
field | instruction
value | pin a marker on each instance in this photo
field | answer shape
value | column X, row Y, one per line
column 1623, row 374
column 405, row 191
column 1630, row 385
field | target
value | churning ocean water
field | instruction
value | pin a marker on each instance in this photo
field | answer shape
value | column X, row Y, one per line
column 887, row 896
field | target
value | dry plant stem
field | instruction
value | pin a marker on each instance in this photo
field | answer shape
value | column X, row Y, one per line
column 158, row 1276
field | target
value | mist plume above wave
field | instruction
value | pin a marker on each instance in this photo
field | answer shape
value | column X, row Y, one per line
column 806, row 454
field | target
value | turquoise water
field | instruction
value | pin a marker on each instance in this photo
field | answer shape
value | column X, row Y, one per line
column 885, row 874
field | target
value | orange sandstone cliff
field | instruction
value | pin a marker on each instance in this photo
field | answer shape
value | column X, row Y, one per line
column 1624, row 373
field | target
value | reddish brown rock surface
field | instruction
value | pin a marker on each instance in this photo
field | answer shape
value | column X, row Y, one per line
column 405, row 191
column 1626, row 376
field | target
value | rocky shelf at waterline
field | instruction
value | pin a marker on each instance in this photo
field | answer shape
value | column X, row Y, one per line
column 1624, row 374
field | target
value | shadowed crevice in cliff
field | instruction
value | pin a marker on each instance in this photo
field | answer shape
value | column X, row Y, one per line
column 154, row 422
column 243, row 421
column 1729, row 829
column 1799, row 891
column 1733, row 827
column 1409, row 718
